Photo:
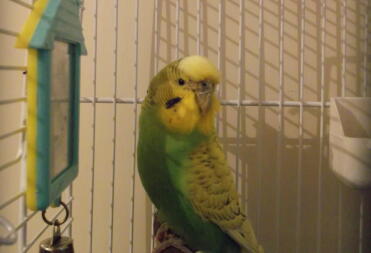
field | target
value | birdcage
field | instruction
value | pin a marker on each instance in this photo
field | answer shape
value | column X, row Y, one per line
column 280, row 62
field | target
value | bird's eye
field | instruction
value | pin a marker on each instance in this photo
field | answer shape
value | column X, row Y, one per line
column 181, row 81
column 204, row 84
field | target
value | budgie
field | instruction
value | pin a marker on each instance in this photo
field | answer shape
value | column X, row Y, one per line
column 182, row 165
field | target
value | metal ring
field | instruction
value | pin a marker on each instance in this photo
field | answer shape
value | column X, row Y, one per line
column 56, row 222
column 11, row 237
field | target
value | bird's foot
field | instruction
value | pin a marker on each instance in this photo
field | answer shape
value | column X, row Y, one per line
column 166, row 240
column 162, row 232
column 173, row 245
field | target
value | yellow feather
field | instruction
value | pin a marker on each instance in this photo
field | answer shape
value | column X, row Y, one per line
column 185, row 116
column 206, row 123
column 199, row 68
column 213, row 194
column 182, row 117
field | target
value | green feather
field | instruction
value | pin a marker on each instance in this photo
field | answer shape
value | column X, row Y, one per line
column 162, row 155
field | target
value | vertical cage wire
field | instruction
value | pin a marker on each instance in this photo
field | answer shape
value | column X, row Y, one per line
column 364, row 93
column 220, row 49
column 259, row 134
column 199, row 27
column 177, row 24
column 22, row 234
column 361, row 220
column 70, row 195
column 343, row 94
column 343, row 46
column 280, row 128
column 340, row 215
column 156, row 62
column 93, row 126
column 157, row 36
column 135, row 125
column 70, row 188
column 241, row 81
column 114, row 122
column 241, row 68
column 365, row 43
column 301, row 98
column 321, row 129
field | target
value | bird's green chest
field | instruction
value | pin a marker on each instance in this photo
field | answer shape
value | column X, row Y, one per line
column 163, row 163
column 163, row 159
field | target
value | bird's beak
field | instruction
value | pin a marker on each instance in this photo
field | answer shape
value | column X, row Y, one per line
column 203, row 95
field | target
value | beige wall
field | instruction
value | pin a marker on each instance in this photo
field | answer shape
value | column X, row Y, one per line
column 254, row 145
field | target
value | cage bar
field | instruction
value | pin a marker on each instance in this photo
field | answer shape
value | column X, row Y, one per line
column 365, row 49
column 157, row 36
column 70, row 195
column 14, row 132
column 343, row 93
column 68, row 226
column 220, row 49
column 9, row 67
column 322, row 85
column 199, row 27
column 280, row 127
column 11, row 200
column 343, row 46
column 232, row 102
column 260, row 147
column 364, row 93
column 8, row 32
column 22, row 233
column 23, row 222
column 94, row 114
column 135, row 126
column 340, row 216
column 361, row 224
column 177, row 24
column 114, row 123
column 11, row 162
column 220, row 32
column 156, row 62
column 241, row 67
column 23, row 4
column 301, row 99
column 12, row 100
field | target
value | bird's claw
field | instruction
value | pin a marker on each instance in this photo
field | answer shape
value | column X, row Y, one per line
column 174, row 243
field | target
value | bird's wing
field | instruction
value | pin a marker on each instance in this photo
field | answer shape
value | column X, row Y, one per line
column 211, row 190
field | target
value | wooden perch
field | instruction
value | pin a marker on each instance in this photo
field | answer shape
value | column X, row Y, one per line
column 167, row 241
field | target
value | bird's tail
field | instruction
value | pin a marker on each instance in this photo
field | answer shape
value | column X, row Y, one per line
column 250, row 243
column 249, row 234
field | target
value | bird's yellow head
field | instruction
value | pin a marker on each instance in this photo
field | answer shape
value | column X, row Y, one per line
column 183, row 95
